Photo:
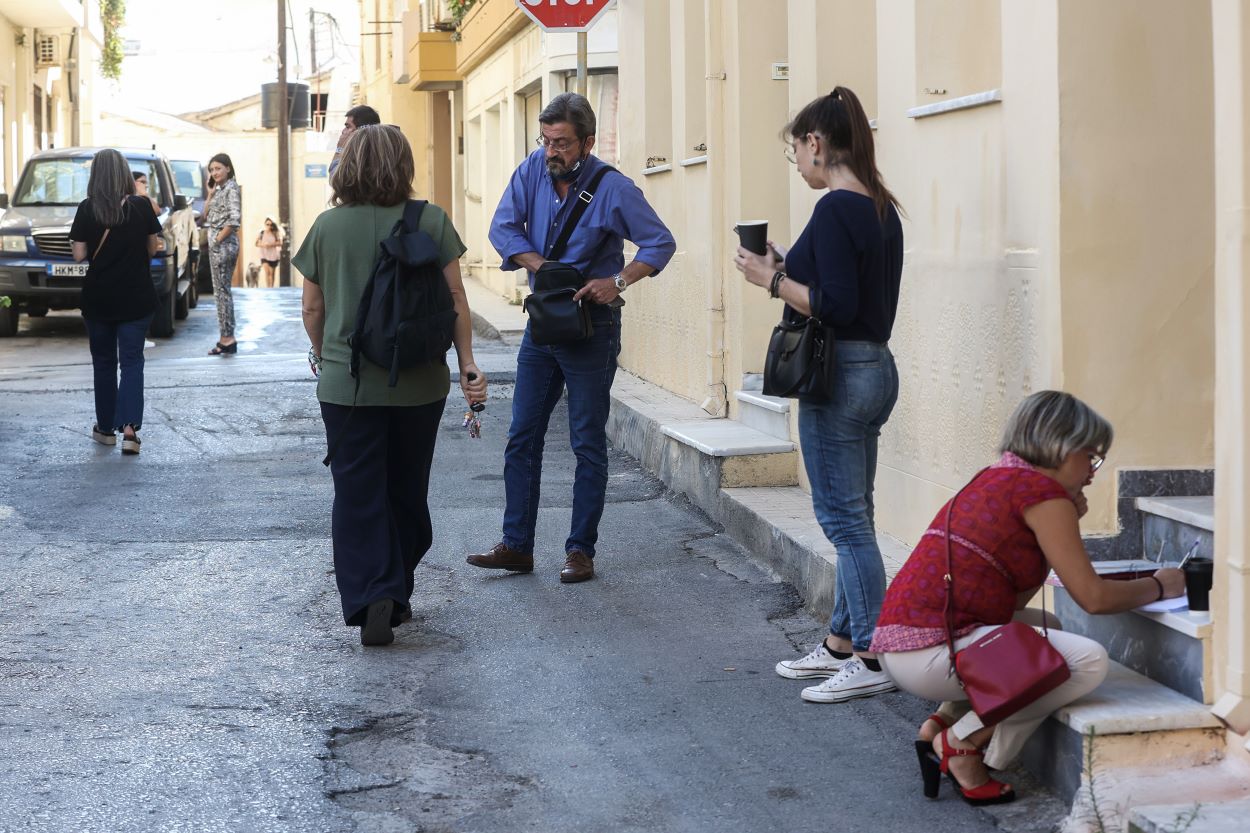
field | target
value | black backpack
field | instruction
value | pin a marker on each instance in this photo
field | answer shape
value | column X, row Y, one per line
column 406, row 316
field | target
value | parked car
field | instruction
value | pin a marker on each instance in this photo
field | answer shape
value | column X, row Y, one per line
column 191, row 180
column 37, row 269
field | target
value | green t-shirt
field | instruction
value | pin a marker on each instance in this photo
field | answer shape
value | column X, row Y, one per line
column 338, row 255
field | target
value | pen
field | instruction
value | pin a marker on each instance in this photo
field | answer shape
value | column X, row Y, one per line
column 1193, row 549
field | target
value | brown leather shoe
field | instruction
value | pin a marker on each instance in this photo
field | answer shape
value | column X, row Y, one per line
column 578, row 566
column 503, row 557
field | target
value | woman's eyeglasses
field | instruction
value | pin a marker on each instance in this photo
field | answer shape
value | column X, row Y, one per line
column 788, row 153
column 1096, row 460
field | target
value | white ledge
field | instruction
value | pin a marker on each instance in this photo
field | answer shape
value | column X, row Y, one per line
column 658, row 169
column 1194, row 511
column 694, row 160
column 963, row 102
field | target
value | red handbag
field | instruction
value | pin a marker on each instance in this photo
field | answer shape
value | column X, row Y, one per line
column 1006, row 670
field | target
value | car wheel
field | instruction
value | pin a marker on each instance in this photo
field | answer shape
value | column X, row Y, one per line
column 182, row 307
column 163, row 322
column 36, row 312
column 8, row 321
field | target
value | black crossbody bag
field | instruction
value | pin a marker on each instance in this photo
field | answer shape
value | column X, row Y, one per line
column 801, row 360
column 555, row 318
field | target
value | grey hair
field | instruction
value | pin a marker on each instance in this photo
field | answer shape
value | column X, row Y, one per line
column 110, row 182
column 571, row 108
column 1049, row 425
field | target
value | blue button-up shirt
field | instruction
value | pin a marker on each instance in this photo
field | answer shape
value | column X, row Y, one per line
column 531, row 214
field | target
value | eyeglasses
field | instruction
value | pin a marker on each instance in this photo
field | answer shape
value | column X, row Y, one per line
column 558, row 145
column 788, row 153
column 1096, row 460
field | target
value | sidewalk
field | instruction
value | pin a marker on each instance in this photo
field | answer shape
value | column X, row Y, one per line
column 493, row 316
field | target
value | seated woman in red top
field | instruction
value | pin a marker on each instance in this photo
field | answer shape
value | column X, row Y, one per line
column 1011, row 525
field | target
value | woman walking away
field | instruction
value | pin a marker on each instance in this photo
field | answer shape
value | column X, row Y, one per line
column 116, row 232
column 223, row 214
column 382, row 436
column 269, row 244
column 845, row 269
column 1012, row 524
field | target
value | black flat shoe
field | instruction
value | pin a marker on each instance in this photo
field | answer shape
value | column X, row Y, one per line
column 377, row 627
column 224, row 349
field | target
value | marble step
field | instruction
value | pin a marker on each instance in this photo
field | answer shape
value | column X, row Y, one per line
column 1170, row 525
column 767, row 414
column 1132, row 723
column 1172, row 648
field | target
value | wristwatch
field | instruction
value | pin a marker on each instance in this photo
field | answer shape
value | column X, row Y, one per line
column 621, row 285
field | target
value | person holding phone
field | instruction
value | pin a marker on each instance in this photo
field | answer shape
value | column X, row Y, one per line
column 223, row 214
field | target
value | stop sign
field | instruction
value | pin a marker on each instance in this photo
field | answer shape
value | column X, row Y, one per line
column 564, row 15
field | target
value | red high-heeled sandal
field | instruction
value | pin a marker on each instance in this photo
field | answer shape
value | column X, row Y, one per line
column 931, row 769
column 924, row 753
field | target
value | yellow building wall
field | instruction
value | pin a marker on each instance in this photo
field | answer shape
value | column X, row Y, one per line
column 1040, row 250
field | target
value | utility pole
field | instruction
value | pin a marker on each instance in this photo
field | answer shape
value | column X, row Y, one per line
column 284, row 153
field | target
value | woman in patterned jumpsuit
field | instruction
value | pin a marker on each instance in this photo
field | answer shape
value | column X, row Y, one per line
column 223, row 214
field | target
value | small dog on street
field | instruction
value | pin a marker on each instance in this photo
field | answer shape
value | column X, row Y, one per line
column 251, row 276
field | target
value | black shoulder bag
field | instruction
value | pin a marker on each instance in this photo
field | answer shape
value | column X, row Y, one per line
column 555, row 318
column 801, row 359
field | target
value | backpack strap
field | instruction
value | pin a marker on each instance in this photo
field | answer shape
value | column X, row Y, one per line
column 412, row 214
column 584, row 199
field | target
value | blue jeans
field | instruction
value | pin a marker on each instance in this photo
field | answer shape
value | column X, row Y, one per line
column 115, row 343
column 587, row 369
column 839, row 439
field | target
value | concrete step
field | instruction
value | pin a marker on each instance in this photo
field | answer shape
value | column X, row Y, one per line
column 692, row 452
column 1217, row 817
column 1172, row 647
column 1129, row 722
column 1170, row 525
column 767, row 414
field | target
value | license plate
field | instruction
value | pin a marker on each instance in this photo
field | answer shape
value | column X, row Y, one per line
column 67, row 270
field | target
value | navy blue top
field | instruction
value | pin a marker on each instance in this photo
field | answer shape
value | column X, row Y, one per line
column 856, row 260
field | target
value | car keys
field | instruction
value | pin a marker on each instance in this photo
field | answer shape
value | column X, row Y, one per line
column 471, row 420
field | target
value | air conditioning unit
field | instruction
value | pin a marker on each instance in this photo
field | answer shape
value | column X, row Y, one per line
column 47, row 51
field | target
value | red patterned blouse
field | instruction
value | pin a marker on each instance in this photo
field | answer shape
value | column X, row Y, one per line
column 995, row 556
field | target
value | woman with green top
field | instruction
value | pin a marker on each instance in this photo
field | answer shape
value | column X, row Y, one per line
column 382, row 455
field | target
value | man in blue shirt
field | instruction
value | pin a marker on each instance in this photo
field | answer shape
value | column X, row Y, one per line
column 538, row 200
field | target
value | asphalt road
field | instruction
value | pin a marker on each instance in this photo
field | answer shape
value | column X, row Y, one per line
column 172, row 655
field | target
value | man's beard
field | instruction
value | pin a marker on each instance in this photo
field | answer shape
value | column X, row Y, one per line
column 559, row 170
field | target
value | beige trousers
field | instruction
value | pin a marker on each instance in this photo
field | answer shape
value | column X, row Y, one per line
column 926, row 673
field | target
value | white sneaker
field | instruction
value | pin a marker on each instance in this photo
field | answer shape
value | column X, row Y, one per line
column 819, row 663
column 853, row 681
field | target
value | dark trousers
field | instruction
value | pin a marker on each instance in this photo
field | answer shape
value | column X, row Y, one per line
column 117, row 344
column 381, row 521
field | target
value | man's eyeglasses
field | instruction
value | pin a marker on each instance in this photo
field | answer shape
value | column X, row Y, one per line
column 558, row 145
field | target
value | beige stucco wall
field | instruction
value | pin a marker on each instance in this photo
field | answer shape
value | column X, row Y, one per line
column 1137, row 225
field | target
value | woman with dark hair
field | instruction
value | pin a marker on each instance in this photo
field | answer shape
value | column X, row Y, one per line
column 1009, row 527
column 383, row 436
column 223, row 214
column 269, row 246
column 141, row 189
column 117, row 233
column 845, row 269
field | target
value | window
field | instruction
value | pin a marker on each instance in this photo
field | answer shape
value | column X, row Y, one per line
column 319, row 101
column 188, row 179
column 958, row 48
column 54, row 182
column 603, row 93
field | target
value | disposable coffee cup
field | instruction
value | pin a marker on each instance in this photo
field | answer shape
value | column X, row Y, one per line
column 1198, row 574
column 754, row 235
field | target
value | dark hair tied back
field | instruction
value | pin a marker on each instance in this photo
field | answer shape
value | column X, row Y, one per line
column 839, row 119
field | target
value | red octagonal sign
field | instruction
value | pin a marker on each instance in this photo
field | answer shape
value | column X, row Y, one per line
column 564, row 15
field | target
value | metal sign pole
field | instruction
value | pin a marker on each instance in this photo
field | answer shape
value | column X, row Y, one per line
column 284, row 154
column 581, row 63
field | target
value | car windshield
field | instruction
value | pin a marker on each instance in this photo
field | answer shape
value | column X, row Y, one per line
column 64, row 181
column 54, row 182
column 188, row 178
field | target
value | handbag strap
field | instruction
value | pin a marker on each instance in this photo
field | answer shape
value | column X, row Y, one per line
column 101, row 246
column 949, row 609
column 584, row 198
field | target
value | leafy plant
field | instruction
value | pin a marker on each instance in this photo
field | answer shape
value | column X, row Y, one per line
column 113, row 12
column 5, row 302
column 459, row 8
